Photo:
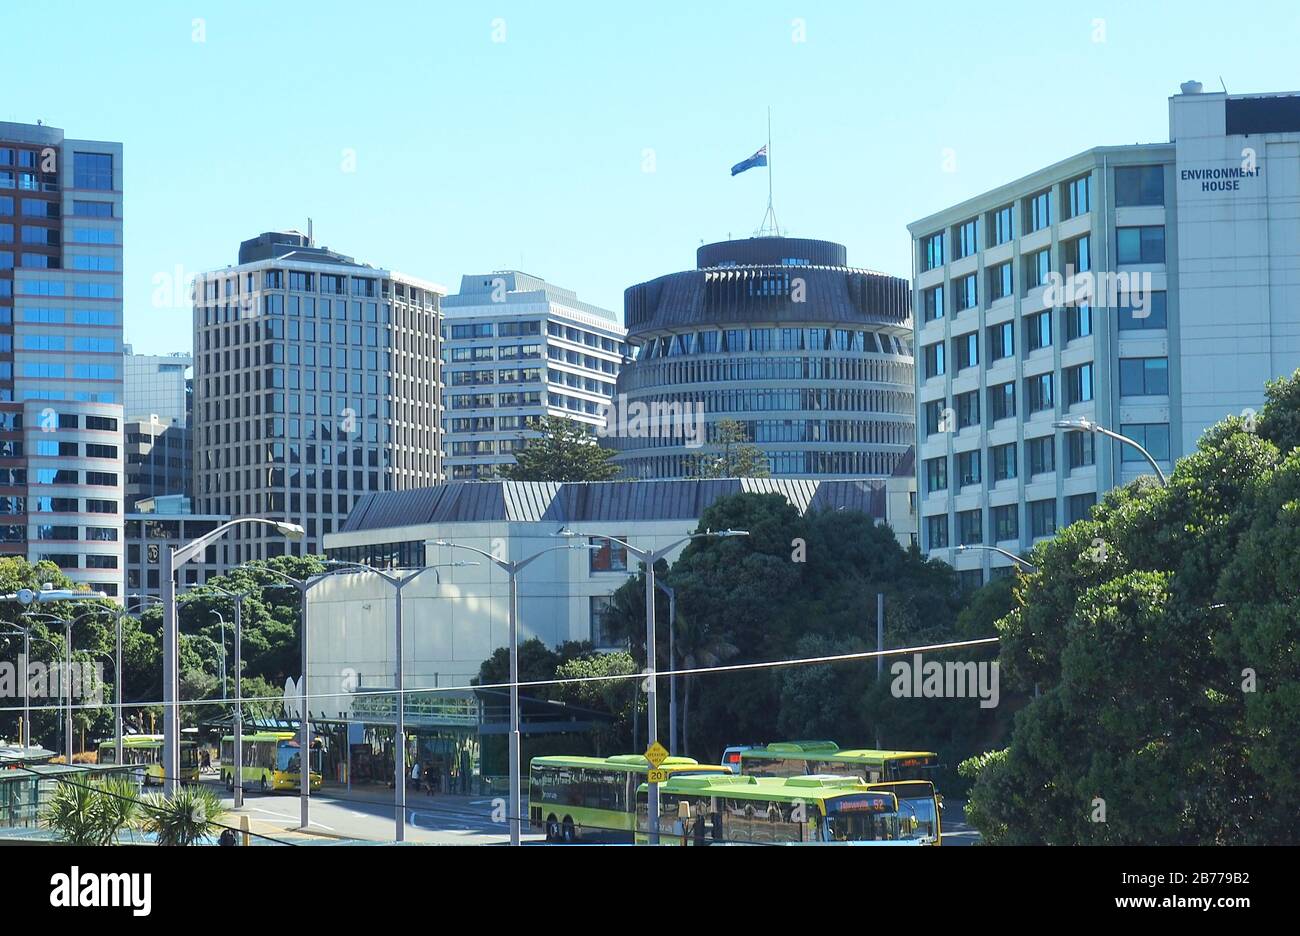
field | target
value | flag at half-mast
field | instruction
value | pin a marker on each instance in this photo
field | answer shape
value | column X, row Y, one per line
column 758, row 159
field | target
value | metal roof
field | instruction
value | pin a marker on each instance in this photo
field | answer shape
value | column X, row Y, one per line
column 596, row 501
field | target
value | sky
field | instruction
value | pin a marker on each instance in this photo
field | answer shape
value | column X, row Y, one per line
column 590, row 143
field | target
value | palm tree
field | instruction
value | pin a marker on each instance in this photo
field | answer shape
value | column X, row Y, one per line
column 188, row 817
column 697, row 647
column 91, row 813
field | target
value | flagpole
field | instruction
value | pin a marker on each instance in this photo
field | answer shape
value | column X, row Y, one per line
column 769, row 168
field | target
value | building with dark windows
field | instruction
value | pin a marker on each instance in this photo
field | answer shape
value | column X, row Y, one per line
column 1150, row 288
column 316, row 381
column 813, row 357
column 61, row 460
column 517, row 348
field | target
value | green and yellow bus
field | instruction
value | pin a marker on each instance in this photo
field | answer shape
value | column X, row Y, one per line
column 594, row 797
column 270, row 761
column 146, row 751
column 793, row 758
column 740, row 810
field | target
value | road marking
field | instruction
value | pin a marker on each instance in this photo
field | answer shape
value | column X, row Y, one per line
column 270, row 812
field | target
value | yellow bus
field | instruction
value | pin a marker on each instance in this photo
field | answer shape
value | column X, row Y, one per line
column 146, row 751
column 594, row 797
column 740, row 810
column 270, row 761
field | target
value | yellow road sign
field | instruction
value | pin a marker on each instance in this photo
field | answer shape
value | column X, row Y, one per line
column 656, row 754
column 656, row 776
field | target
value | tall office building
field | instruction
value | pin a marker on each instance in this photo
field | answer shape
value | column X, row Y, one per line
column 813, row 357
column 157, row 385
column 518, row 348
column 61, row 352
column 1151, row 288
column 316, row 381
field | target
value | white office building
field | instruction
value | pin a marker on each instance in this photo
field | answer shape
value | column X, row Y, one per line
column 1153, row 288
column 518, row 348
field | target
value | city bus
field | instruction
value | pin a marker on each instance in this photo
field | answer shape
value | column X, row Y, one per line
column 270, row 761
column 738, row 810
column 594, row 797
column 146, row 751
column 792, row 758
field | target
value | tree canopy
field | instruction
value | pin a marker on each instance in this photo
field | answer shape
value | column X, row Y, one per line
column 565, row 451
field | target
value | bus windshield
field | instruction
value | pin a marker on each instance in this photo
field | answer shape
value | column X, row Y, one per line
column 917, row 818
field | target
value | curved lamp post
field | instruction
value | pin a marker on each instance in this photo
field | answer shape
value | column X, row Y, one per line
column 648, row 558
column 1024, row 563
column 238, row 719
column 67, row 678
column 1088, row 425
column 172, row 559
column 512, row 570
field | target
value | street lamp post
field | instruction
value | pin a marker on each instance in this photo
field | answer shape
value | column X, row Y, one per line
column 1024, row 563
column 67, row 673
column 512, row 568
column 171, row 560
column 648, row 558
column 237, row 720
column 672, row 665
column 1089, row 425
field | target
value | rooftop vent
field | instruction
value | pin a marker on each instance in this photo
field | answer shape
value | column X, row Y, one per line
column 1190, row 87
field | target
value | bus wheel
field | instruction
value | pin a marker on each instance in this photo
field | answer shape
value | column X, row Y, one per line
column 569, row 834
column 552, row 830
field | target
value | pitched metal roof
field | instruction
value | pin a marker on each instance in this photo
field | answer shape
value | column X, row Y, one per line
column 594, row 501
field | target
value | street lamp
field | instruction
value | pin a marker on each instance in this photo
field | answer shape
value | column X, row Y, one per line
column 648, row 558
column 1089, row 425
column 672, row 664
column 172, row 559
column 67, row 676
column 237, row 777
column 1025, row 563
column 512, row 570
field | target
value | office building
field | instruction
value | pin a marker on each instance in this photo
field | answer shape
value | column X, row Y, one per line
column 61, row 462
column 1152, row 288
column 157, row 385
column 158, row 460
column 316, row 381
column 813, row 357
column 518, row 348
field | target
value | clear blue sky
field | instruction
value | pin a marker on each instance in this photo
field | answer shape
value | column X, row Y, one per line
column 473, row 155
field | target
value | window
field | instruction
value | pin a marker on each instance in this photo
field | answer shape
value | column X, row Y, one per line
column 1078, row 322
column 1079, row 196
column 968, row 238
column 1039, row 211
column 1006, row 523
column 1079, row 507
column 936, row 474
column 934, row 417
column 1038, row 331
column 1143, row 376
column 1080, row 449
column 601, row 635
column 1154, row 437
column 932, row 303
column 934, row 359
column 967, row 295
column 1141, row 244
column 1038, row 393
column 966, row 349
column 1139, row 185
column 1042, row 518
column 1001, row 283
column 968, row 468
column 1037, row 266
column 92, row 171
column 1002, row 401
column 611, row 557
column 1041, row 455
column 1077, row 255
column 1078, row 384
column 1001, row 341
column 1002, row 459
column 968, row 409
column 1152, row 313
column 936, row 531
column 1001, row 229
column 970, row 528
column 932, row 251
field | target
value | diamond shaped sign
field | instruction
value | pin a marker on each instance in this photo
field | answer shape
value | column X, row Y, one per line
column 656, row 754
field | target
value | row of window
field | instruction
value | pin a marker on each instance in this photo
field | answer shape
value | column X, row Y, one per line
column 1134, row 186
column 1003, row 522
column 733, row 340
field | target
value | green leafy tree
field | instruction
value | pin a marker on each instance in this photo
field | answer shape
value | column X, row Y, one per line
column 612, row 697
column 82, row 811
column 731, row 454
column 565, row 451
column 1161, row 634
